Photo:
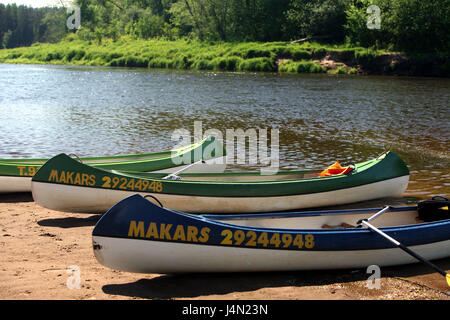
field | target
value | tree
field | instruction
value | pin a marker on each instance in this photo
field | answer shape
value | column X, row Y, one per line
column 406, row 25
column 421, row 26
column 307, row 18
column 9, row 39
column 237, row 20
column 54, row 23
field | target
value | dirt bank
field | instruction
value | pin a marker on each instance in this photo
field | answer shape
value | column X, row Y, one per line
column 384, row 64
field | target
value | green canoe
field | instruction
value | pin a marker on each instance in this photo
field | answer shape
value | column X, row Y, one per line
column 65, row 184
column 15, row 174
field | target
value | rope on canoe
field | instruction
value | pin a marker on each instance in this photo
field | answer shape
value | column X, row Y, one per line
column 73, row 154
column 153, row 197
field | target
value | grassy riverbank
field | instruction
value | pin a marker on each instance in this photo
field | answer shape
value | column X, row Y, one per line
column 307, row 57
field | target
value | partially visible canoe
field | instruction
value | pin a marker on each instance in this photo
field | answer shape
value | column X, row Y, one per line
column 16, row 174
column 55, row 187
column 138, row 236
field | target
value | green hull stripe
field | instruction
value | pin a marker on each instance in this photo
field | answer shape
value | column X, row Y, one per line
column 136, row 162
column 65, row 170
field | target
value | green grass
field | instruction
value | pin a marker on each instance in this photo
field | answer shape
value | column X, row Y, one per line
column 302, row 66
column 182, row 54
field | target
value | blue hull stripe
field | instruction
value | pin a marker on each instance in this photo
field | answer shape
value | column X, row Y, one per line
column 137, row 218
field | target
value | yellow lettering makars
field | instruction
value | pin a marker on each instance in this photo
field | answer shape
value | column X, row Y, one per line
column 165, row 231
column 53, row 176
column 204, row 234
column 69, row 177
column 152, row 231
column 136, row 229
column 179, row 233
column 62, row 177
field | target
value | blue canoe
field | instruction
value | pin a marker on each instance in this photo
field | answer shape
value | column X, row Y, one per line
column 137, row 235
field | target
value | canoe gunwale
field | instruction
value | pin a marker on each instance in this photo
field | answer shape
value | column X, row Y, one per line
column 269, row 215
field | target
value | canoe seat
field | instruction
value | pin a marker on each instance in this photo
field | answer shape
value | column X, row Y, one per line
column 342, row 225
column 172, row 177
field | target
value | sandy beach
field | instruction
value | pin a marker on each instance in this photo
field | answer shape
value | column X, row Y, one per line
column 47, row 255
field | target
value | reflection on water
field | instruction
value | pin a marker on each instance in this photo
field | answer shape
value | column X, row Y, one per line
column 102, row 111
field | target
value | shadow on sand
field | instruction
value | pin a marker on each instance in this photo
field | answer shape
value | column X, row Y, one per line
column 16, row 197
column 70, row 222
column 196, row 285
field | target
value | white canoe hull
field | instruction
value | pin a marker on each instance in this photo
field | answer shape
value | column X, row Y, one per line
column 144, row 256
column 71, row 198
column 10, row 184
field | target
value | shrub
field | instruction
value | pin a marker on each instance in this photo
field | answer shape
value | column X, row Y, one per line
column 135, row 62
column 341, row 70
column 365, row 55
column 227, row 63
column 301, row 67
column 319, row 51
column 13, row 55
column 85, row 34
column 182, row 62
column 119, row 62
column 202, row 64
column 287, row 66
column 256, row 53
column 308, row 67
column 113, row 55
column 53, row 56
column 300, row 55
column 160, row 63
column 75, row 55
column 257, row 64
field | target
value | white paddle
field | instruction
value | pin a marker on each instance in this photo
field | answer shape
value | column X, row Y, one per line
column 173, row 176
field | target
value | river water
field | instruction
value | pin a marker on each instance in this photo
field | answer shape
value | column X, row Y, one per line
column 46, row 110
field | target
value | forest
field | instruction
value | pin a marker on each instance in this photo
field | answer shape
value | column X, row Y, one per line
column 22, row 26
column 404, row 25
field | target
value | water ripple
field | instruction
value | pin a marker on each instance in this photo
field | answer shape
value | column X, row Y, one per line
column 321, row 118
